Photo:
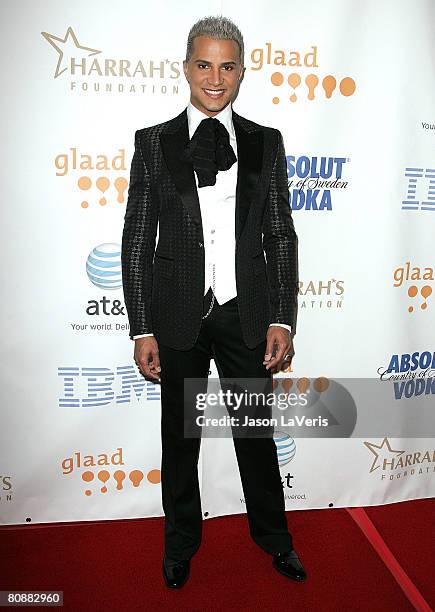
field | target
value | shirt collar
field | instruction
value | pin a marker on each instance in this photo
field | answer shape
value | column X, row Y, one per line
column 195, row 116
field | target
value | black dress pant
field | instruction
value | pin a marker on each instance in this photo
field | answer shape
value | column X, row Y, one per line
column 220, row 337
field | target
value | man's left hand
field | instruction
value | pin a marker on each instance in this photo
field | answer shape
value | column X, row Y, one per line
column 279, row 338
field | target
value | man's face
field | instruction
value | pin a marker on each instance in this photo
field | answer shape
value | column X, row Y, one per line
column 213, row 73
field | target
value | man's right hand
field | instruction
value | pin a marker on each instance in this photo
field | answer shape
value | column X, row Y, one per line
column 146, row 356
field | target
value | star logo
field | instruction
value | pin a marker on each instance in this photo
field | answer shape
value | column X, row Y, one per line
column 381, row 452
column 67, row 47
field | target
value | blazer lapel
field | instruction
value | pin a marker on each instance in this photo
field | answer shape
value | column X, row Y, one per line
column 174, row 138
column 250, row 162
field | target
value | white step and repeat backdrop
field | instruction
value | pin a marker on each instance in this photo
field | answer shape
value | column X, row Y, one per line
column 351, row 87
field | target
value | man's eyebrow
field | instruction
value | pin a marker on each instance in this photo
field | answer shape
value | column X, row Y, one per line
column 201, row 61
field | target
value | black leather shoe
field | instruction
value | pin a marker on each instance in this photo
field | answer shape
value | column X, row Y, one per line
column 288, row 563
column 176, row 576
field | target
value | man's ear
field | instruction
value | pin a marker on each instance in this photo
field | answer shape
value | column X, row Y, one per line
column 185, row 69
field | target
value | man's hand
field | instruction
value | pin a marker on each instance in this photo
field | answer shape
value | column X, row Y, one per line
column 278, row 338
column 146, row 356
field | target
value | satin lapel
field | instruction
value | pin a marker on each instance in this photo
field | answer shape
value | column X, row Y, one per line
column 173, row 140
column 250, row 162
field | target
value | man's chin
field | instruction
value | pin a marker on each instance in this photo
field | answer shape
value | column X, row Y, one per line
column 214, row 106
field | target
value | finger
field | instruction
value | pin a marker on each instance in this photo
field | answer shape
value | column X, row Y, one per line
column 279, row 357
column 156, row 360
column 269, row 348
column 144, row 365
column 148, row 372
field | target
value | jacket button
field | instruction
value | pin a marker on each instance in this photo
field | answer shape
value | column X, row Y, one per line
column 200, row 244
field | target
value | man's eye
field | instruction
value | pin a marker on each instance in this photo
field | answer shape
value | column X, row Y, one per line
column 202, row 65
column 228, row 68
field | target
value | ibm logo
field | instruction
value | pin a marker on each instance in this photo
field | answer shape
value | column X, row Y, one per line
column 424, row 180
column 89, row 387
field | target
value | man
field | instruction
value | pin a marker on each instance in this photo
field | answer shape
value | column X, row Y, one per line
column 214, row 184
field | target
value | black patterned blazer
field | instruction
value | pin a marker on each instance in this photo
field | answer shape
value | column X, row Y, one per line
column 164, row 285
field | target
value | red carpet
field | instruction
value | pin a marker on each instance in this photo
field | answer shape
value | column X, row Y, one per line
column 116, row 565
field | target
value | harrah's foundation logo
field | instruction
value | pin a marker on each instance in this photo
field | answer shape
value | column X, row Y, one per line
column 294, row 76
column 390, row 464
column 87, row 70
column 321, row 294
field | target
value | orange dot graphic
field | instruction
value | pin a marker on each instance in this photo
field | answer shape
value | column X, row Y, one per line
column 329, row 84
column 412, row 292
column 321, row 384
column 154, row 476
column 347, row 86
column 136, row 477
column 277, row 78
column 119, row 476
column 287, row 384
column 104, row 476
column 426, row 291
column 84, row 183
column 303, row 384
column 103, row 184
column 88, row 477
column 311, row 81
column 120, row 185
column 275, row 100
column 84, row 204
column 294, row 80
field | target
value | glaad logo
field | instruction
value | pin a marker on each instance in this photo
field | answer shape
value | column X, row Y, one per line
column 103, row 266
column 312, row 180
column 407, row 277
column 321, row 294
column 5, row 488
column 107, row 472
column 95, row 171
column 420, row 190
column 392, row 464
column 88, row 387
column 110, row 75
column 297, row 69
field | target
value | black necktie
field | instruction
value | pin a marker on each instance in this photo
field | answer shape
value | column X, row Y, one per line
column 209, row 151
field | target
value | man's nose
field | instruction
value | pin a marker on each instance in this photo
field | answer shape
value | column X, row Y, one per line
column 215, row 77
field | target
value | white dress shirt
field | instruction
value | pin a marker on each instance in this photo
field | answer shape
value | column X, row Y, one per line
column 218, row 203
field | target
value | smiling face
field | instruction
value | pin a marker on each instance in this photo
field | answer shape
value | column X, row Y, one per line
column 213, row 73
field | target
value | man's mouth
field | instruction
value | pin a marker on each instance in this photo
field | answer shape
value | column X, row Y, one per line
column 214, row 93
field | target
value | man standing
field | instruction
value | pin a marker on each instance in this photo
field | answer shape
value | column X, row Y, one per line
column 215, row 186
